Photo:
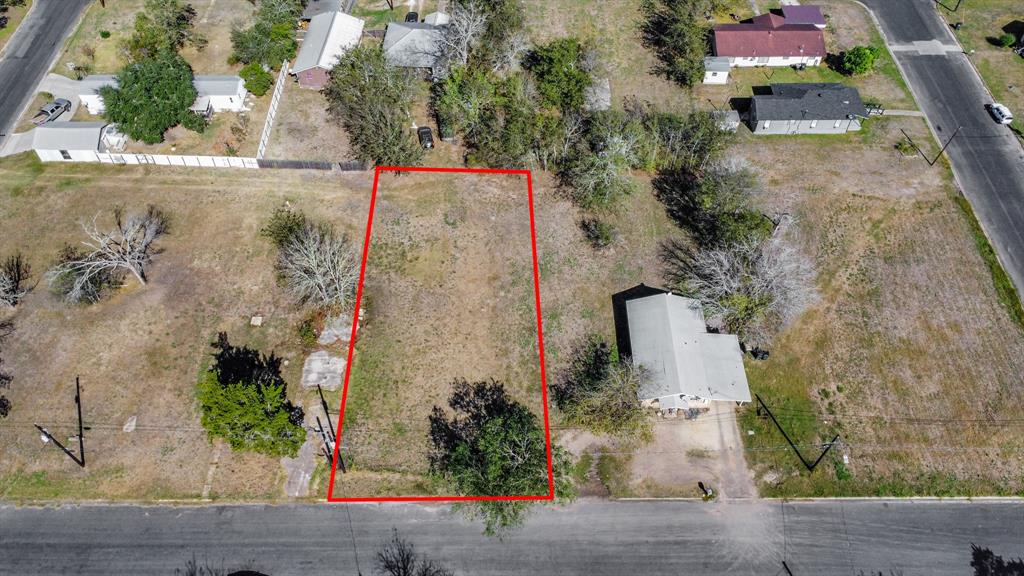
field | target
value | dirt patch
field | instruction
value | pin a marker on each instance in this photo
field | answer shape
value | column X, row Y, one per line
column 304, row 130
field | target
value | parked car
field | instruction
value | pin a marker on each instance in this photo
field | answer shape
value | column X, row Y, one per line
column 51, row 111
column 1000, row 113
column 412, row 17
column 426, row 137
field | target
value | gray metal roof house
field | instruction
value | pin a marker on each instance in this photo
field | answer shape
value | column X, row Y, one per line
column 812, row 108
column 413, row 44
column 687, row 366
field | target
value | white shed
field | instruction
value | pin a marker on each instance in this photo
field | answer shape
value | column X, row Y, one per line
column 75, row 141
column 716, row 70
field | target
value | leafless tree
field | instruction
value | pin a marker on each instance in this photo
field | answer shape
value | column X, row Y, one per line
column 748, row 288
column 467, row 23
column 14, row 273
column 318, row 266
column 80, row 274
column 508, row 56
column 399, row 558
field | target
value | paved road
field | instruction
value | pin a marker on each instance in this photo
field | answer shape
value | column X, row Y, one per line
column 988, row 160
column 592, row 537
column 29, row 54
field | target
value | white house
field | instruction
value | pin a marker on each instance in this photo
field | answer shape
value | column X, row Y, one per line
column 716, row 70
column 75, row 141
column 213, row 93
column 769, row 40
column 688, row 367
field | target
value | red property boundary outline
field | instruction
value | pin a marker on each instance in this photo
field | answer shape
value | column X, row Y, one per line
column 540, row 344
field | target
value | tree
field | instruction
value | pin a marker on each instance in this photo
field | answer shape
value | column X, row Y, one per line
column 858, row 60
column 462, row 99
column 1007, row 40
column 493, row 446
column 283, row 225
column 14, row 273
column 271, row 38
column 988, row 563
column 715, row 208
column 163, row 26
column 503, row 38
column 318, row 266
column 242, row 399
column 601, row 393
column 752, row 289
column 597, row 174
column 80, row 275
column 398, row 557
column 561, row 76
column 677, row 31
column 462, row 34
column 371, row 99
column 152, row 96
column 257, row 80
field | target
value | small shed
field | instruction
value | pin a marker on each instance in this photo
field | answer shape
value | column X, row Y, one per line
column 330, row 35
column 716, row 70
column 75, row 141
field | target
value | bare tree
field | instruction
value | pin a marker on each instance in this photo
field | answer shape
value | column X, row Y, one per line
column 14, row 273
column 318, row 266
column 467, row 23
column 749, row 288
column 510, row 53
column 81, row 274
column 399, row 558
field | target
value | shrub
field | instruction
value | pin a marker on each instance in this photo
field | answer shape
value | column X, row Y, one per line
column 163, row 26
column 1007, row 40
column 271, row 38
column 257, row 80
column 242, row 398
column 104, row 34
column 283, row 225
column 858, row 60
column 561, row 77
column 194, row 122
column 600, row 234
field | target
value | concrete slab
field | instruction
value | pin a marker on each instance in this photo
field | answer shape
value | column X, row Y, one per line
column 336, row 329
column 322, row 369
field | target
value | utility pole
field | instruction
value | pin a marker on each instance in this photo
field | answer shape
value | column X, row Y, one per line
column 80, row 458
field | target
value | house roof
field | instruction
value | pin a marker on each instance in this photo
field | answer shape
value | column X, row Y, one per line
column 68, row 136
column 412, row 44
column 768, row 35
column 806, row 14
column 716, row 64
column 437, row 19
column 329, row 36
column 669, row 338
column 811, row 101
column 316, row 7
column 204, row 85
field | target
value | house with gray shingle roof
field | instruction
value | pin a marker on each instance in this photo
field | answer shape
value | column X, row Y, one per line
column 414, row 44
column 810, row 108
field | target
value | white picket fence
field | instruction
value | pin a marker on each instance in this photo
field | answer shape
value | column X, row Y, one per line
column 177, row 160
column 272, row 111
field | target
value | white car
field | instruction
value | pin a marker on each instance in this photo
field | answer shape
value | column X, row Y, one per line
column 1001, row 113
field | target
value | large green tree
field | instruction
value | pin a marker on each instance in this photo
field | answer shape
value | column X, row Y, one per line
column 561, row 77
column 271, row 38
column 242, row 399
column 371, row 99
column 494, row 446
column 163, row 26
column 152, row 95
column 677, row 31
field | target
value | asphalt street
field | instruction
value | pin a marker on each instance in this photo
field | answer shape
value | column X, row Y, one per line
column 593, row 537
column 987, row 158
column 29, row 53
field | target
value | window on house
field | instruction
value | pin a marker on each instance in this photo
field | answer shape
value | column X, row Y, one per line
column 814, row 123
column 785, row 57
column 65, row 155
column 838, row 122
column 767, row 123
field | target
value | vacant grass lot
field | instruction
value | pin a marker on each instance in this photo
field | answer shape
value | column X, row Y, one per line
column 14, row 16
column 1003, row 71
column 909, row 356
column 139, row 351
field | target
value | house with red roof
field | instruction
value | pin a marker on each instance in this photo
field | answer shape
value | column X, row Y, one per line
column 791, row 36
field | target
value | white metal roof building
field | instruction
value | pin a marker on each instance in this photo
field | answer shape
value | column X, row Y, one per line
column 74, row 141
column 213, row 93
column 668, row 336
column 330, row 35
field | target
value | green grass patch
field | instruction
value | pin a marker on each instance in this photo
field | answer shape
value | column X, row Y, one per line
column 1005, row 290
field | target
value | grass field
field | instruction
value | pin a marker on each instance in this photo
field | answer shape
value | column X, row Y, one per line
column 910, row 356
column 139, row 351
column 1003, row 71
column 14, row 17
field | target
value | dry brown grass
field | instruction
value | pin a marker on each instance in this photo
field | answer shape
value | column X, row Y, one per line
column 909, row 355
column 140, row 351
column 304, row 130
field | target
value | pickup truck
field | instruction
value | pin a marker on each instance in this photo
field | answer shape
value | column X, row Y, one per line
column 51, row 111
